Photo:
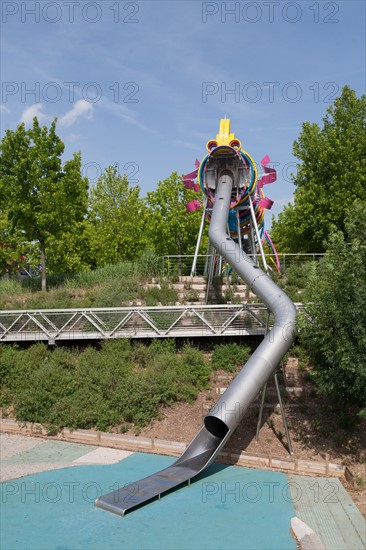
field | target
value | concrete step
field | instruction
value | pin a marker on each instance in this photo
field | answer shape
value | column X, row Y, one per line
column 199, row 280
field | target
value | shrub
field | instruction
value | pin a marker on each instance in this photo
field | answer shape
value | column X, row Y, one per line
column 165, row 295
column 192, row 296
column 229, row 357
column 334, row 331
column 116, row 385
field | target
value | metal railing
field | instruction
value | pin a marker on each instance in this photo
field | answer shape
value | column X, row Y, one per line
column 181, row 265
column 55, row 325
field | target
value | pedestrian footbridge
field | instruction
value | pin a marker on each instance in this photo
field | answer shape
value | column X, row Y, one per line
column 55, row 325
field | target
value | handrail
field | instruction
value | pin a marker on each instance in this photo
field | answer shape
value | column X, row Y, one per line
column 54, row 325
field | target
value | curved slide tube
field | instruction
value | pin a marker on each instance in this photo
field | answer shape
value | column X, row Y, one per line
column 227, row 413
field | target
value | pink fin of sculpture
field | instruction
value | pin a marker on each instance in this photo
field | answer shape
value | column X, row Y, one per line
column 265, row 202
column 193, row 205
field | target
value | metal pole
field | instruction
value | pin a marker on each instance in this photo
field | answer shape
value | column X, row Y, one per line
column 264, row 389
column 228, row 283
column 219, row 267
column 210, row 274
column 261, row 411
column 252, row 245
column 199, row 238
column 238, row 229
column 254, row 220
column 207, row 259
column 283, row 414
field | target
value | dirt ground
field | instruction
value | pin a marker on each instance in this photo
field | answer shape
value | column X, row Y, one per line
column 315, row 429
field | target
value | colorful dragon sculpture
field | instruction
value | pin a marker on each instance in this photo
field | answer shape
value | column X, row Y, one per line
column 249, row 195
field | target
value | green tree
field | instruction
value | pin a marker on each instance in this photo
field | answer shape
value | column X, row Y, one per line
column 43, row 198
column 172, row 230
column 71, row 254
column 116, row 219
column 11, row 249
column 330, row 176
column 335, row 331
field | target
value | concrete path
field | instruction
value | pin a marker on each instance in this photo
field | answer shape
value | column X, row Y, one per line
column 21, row 456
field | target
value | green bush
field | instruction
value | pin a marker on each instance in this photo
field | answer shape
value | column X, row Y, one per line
column 164, row 295
column 192, row 296
column 334, row 329
column 229, row 357
column 117, row 385
column 294, row 279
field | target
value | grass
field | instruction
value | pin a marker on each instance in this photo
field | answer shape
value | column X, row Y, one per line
column 10, row 286
column 164, row 294
column 114, row 285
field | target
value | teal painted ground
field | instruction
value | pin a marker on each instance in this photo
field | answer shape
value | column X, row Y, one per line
column 229, row 507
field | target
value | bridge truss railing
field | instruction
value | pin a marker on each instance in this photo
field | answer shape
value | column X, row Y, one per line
column 54, row 325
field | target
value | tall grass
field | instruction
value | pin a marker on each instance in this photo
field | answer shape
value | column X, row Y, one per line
column 113, row 285
column 123, row 271
column 10, row 287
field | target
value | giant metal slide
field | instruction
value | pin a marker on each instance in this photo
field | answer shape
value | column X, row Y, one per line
column 228, row 177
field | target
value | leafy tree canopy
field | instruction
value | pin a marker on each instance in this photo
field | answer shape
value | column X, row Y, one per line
column 171, row 229
column 11, row 250
column 116, row 221
column 42, row 198
column 330, row 176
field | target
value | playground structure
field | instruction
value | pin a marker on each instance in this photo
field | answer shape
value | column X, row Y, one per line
column 234, row 205
column 247, row 205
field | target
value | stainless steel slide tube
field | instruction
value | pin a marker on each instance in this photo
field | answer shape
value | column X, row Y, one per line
column 231, row 407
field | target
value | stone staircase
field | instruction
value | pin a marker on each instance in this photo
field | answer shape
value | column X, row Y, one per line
column 192, row 291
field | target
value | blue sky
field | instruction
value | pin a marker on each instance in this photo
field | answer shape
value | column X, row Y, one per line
column 144, row 84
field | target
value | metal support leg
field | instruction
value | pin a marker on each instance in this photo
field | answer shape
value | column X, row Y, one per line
column 219, row 267
column 207, row 259
column 283, row 414
column 263, row 394
column 238, row 230
column 259, row 423
column 199, row 238
column 210, row 274
column 254, row 221
column 252, row 245
column 228, row 283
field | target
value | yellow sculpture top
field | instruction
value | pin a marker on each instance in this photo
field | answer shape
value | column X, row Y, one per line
column 224, row 137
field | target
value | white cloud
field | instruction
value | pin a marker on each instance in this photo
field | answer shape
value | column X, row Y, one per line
column 34, row 110
column 71, row 138
column 128, row 115
column 4, row 109
column 81, row 108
